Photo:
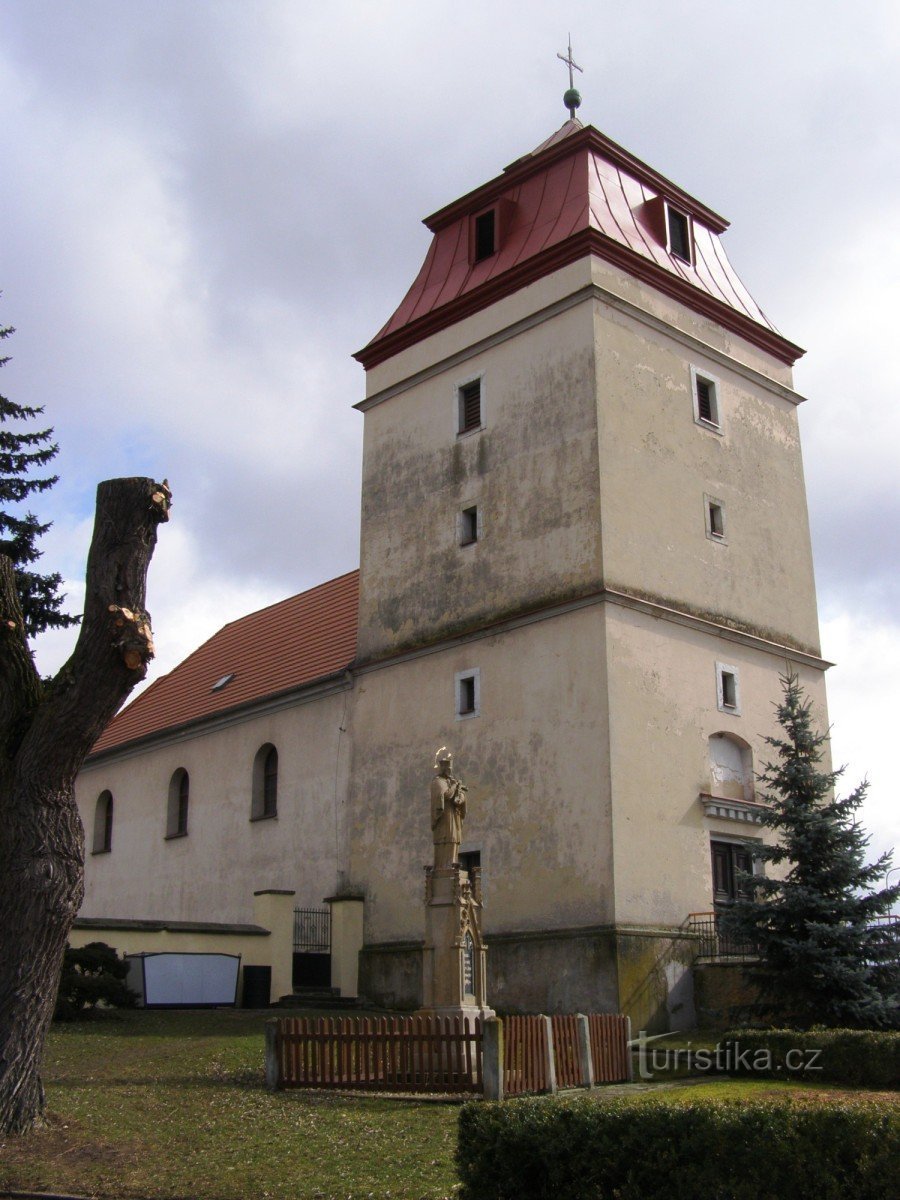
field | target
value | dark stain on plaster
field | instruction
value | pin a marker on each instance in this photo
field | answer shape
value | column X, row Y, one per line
column 486, row 618
column 719, row 618
column 391, row 615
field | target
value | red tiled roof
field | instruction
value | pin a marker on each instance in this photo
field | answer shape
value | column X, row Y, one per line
column 578, row 193
column 277, row 649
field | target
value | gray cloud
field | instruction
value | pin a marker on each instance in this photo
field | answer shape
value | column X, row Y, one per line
column 208, row 207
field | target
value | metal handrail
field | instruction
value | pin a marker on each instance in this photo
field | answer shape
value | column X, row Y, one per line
column 714, row 941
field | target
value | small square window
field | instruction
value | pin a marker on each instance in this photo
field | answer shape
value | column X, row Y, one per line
column 678, row 227
column 715, row 519
column 469, row 525
column 485, row 235
column 468, row 694
column 469, row 406
column 469, row 860
column 728, row 693
column 705, row 391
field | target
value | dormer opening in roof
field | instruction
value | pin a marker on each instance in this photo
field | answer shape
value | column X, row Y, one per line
column 484, row 229
column 487, row 229
column 678, row 230
column 671, row 225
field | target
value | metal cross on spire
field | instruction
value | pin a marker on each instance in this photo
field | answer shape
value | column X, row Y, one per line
column 572, row 98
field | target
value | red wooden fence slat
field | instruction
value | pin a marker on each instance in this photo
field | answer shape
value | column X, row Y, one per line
column 420, row 1053
column 609, row 1047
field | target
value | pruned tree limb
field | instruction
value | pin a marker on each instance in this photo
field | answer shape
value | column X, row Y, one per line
column 108, row 659
column 46, row 731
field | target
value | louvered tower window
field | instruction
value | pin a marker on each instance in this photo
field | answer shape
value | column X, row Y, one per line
column 704, row 399
column 470, row 406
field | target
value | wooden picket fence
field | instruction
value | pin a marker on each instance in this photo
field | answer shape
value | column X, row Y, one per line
column 569, row 1073
column 448, row 1054
column 393, row 1054
column 529, row 1066
column 610, row 1051
column 525, row 1056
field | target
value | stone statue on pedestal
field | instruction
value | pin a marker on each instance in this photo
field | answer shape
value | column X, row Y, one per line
column 448, row 810
column 455, row 957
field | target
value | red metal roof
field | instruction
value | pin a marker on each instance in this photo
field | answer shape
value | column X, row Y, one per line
column 275, row 650
column 578, row 193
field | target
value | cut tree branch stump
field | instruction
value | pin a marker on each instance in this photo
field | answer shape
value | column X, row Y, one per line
column 46, row 731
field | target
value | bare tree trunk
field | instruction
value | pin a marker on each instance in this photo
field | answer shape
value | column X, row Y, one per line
column 46, row 730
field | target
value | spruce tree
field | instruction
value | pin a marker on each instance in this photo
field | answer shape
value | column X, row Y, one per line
column 825, row 957
column 21, row 453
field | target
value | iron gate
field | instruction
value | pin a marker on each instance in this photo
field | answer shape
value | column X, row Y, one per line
column 312, row 947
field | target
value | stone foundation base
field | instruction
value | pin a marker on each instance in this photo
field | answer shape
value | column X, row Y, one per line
column 644, row 973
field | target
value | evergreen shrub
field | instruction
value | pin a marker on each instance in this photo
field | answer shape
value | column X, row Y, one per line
column 92, row 975
column 861, row 1057
column 586, row 1149
column 821, row 923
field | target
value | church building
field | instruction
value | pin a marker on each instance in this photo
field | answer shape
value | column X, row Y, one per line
column 585, row 563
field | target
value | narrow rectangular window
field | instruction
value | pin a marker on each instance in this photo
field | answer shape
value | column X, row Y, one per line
column 679, row 228
column 728, row 689
column 469, row 399
column 469, row 859
column 716, row 522
column 715, row 519
column 705, row 391
column 468, row 698
column 468, row 526
column 485, row 235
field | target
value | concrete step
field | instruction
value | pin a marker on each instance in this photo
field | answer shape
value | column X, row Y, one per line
column 316, row 998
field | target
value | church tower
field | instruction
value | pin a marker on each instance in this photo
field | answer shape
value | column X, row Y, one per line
column 585, row 562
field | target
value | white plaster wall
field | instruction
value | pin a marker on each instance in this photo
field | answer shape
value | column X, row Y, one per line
column 534, row 761
column 656, row 466
column 211, row 874
column 532, row 471
column 687, row 321
column 663, row 709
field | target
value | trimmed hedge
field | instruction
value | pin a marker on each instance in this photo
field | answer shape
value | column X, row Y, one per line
column 863, row 1057
column 584, row 1149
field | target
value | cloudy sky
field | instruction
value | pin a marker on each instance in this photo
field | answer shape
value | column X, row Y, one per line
column 208, row 205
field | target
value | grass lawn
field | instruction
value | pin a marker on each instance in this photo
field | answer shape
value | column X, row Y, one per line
column 172, row 1104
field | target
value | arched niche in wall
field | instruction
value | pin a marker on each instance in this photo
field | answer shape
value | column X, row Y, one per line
column 730, row 767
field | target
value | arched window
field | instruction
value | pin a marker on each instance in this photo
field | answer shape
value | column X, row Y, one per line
column 265, row 783
column 730, row 767
column 177, row 808
column 103, row 823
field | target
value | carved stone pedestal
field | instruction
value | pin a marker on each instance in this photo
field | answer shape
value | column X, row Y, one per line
column 454, row 962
